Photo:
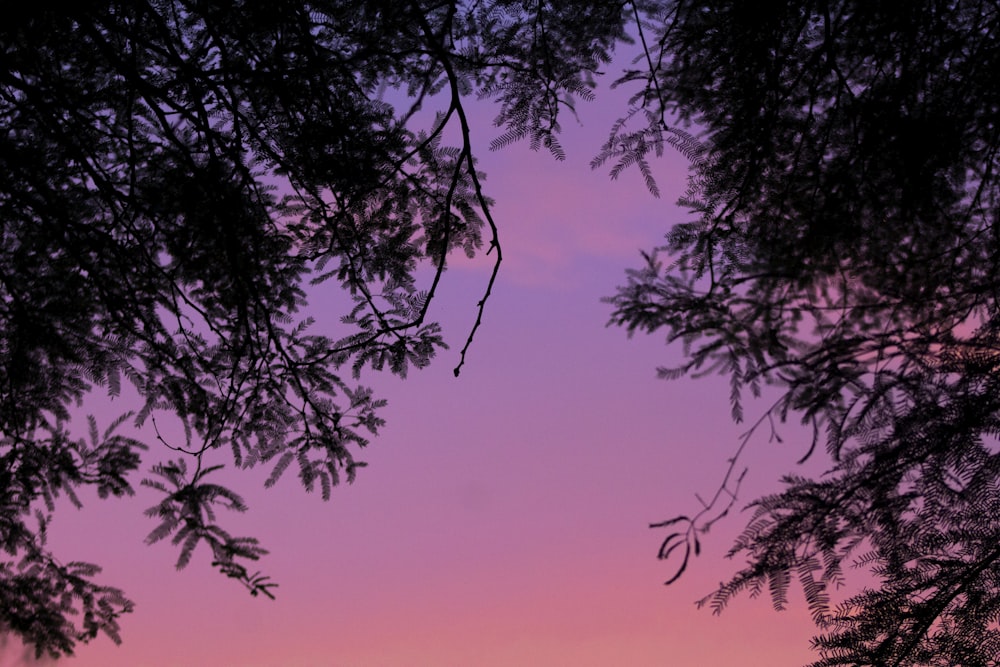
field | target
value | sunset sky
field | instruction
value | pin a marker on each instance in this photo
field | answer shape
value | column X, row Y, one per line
column 502, row 520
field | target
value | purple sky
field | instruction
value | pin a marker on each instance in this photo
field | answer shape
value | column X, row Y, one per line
column 502, row 518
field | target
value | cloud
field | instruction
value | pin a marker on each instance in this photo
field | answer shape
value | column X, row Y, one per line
column 552, row 215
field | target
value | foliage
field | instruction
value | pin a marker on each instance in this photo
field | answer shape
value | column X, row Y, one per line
column 177, row 172
column 845, row 252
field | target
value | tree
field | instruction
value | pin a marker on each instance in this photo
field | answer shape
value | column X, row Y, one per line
column 177, row 170
column 842, row 249
column 845, row 251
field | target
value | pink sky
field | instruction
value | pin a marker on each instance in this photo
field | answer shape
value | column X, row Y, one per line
column 502, row 518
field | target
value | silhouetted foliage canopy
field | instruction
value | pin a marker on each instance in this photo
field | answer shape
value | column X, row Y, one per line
column 843, row 255
column 178, row 172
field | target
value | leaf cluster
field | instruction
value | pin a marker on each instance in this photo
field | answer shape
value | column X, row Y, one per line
column 842, row 254
column 179, row 172
column 50, row 604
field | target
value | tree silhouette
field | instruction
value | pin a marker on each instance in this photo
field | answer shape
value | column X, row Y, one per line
column 178, row 171
column 843, row 249
column 146, row 243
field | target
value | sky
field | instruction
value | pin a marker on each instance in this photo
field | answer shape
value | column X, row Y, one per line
column 503, row 517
